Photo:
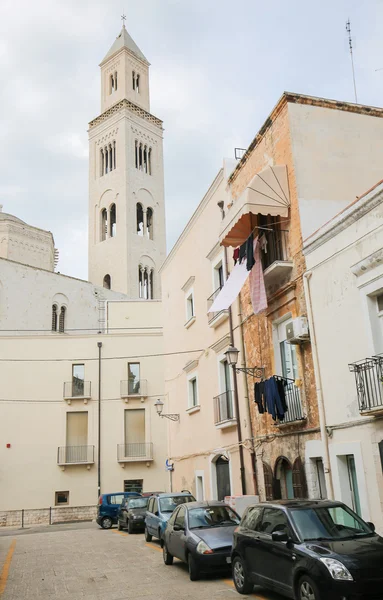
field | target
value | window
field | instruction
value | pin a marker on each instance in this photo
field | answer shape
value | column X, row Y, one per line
column 104, row 224
column 252, row 518
column 150, row 161
column 62, row 319
column 218, row 276
column 61, row 498
column 155, row 506
column 133, row 378
column 353, row 482
column 113, row 83
column 332, row 523
column 274, row 520
column 133, row 485
column 108, row 158
column 78, row 376
column 190, row 306
column 137, row 84
column 116, row 499
column 135, row 432
column 112, row 220
column 76, row 437
column 193, row 392
column 150, row 505
column 143, row 157
column 149, row 223
column 212, row 516
column 54, row 317
column 107, row 282
column 180, row 519
column 379, row 303
column 145, row 283
column 134, row 80
column 140, row 219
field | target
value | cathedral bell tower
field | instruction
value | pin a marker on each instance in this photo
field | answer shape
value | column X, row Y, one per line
column 126, row 182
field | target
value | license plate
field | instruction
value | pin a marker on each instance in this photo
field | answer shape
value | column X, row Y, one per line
column 228, row 559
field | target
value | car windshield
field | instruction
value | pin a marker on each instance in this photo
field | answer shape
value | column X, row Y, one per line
column 170, row 503
column 138, row 502
column 212, row 516
column 329, row 523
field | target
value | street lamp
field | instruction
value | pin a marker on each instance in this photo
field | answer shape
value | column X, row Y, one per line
column 232, row 359
column 232, row 356
column 160, row 407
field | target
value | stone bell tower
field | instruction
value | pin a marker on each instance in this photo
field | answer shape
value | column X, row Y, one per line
column 126, row 181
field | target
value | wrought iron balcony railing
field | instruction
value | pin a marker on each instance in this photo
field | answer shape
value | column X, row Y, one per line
column 369, row 383
column 219, row 315
column 276, row 248
column 77, row 389
column 134, row 387
column 135, row 452
column 223, row 408
column 75, row 455
column 293, row 401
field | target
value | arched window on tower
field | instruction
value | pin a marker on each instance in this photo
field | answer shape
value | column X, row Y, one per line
column 136, row 153
column 62, row 319
column 150, row 161
column 107, row 282
column 138, row 84
column 54, row 317
column 134, row 80
column 145, row 164
column 110, row 157
column 140, row 157
column 149, row 223
column 115, row 80
column 140, row 281
column 104, row 224
column 112, row 84
column 140, row 219
column 151, row 282
column 101, row 162
column 106, row 153
column 112, row 220
column 114, row 155
column 146, row 284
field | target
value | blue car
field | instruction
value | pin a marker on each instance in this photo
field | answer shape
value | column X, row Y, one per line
column 159, row 511
column 108, row 506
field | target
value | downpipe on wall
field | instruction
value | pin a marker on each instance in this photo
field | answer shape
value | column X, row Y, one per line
column 99, row 345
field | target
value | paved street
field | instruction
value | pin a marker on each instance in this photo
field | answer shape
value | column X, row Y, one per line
column 83, row 562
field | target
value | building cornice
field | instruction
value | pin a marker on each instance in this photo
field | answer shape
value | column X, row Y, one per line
column 134, row 108
column 188, row 283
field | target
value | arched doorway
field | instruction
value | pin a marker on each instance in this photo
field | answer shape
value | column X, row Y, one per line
column 283, row 480
column 223, row 477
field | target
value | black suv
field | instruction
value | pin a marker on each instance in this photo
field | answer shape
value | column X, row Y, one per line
column 308, row 550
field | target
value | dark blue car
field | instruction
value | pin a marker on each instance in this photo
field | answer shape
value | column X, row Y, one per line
column 108, row 506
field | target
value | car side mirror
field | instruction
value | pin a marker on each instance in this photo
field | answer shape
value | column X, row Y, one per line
column 280, row 536
column 156, row 513
column 371, row 525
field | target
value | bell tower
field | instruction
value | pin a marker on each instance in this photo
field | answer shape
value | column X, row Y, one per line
column 127, row 243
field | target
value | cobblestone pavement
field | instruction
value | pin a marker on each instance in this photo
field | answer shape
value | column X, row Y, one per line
column 84, row 562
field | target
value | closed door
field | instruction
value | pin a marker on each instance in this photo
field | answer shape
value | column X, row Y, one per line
column 76, row 436
column 223, row 478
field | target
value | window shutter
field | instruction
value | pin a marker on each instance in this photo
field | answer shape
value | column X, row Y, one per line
column 268, row 477
column 299, row 479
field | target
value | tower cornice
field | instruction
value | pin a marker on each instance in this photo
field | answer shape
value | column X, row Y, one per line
column 134, row 108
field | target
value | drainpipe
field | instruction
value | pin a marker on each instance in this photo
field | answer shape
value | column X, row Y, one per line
column 99, row 345
column 318, row 379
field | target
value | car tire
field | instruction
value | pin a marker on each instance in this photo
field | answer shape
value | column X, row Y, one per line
column 240, row 577
column 148, row 537
column 194, row 572
column 307, row 589
column 168, row 558
column 106, row 523
column 130, row 527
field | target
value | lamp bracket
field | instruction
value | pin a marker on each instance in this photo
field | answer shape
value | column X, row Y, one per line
column 256, row 372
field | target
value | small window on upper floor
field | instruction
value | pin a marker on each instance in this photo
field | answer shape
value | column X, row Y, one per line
column 149, row 223
column 379, row 303
column 192, row 392
column 107, row 282
column 136, row 82
column 112, row 220
column 62, row 319
column 190, row 306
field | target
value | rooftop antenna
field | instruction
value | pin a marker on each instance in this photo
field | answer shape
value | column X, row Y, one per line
column 348, row 29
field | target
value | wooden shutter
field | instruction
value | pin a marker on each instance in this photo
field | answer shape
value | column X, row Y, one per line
column 299, row 479
column 268, row 478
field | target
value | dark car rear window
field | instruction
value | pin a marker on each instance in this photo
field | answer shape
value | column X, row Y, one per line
column 137, row 502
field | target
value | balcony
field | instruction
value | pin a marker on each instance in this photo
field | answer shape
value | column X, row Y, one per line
column 133, row 388
column 75, row 455
column 275, row 262
column 369, row 384
column 77, row 389
column 216, row 318
column 294, row 403
column 224, row 410
column 136, row 452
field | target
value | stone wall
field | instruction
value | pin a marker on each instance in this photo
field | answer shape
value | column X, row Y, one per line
column 47, row 516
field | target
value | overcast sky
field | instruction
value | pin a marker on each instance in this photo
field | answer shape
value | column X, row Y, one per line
column 218, row 68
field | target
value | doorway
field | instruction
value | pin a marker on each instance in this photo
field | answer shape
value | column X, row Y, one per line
column 283, row 482
column 223, row 477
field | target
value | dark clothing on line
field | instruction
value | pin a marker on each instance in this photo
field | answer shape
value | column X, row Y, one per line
column 282, row 394
column 273, row 400
column 242, row 252
column 250, row 261
column 259, row 390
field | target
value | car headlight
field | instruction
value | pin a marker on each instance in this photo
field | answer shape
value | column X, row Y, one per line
column 337, row 569
column 203, row 548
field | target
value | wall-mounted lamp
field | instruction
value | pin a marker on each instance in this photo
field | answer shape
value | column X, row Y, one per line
column 232, row 359
column 160, row 407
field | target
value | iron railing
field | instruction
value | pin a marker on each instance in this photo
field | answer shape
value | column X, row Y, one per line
column 134, row 387
column 69, row 455
column 293, row 402
column 369, row 382
column 135, row 451
column 210, row 300
column 223, row 407
column 77, row 389
column 276, row 247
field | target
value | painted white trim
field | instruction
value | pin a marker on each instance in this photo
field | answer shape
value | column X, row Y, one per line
column 189, row 378
column 193, row 409
column 201, row 474
column 213, row 471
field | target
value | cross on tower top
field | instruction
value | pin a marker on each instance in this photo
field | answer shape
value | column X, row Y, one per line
column 123, row 19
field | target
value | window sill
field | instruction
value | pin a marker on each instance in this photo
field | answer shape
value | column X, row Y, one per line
column 193, row 409
column 283, row 425
column 226, row 424
column 190, row 322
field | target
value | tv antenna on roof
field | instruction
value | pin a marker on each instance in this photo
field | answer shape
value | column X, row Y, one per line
column 348, row 29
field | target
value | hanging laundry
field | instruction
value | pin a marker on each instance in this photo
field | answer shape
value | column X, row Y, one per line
column 250, row 261
column 281, row 384
column 259, row 398
column 236, row 255
column 273, row 400
column 242, row 252
column 257, row 283
column 263, row 243
column 231, row 289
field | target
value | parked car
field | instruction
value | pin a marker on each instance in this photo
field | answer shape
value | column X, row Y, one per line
column 108, row 505
column 308, row 550
column 131, row 514
column 148, row 494
column 201, row 535
column 159, row 511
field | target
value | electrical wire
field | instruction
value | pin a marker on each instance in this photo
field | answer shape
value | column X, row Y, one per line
column 17, row 360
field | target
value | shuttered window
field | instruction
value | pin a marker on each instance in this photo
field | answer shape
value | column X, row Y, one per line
column 135, row 426
column 299, row 479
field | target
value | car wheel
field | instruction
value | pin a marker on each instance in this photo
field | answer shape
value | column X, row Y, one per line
column 130, row 527
column 307, row 589
column 106, row 523
column 168, row 558
column 193, row 569
column 148, row 537
column 241, row 580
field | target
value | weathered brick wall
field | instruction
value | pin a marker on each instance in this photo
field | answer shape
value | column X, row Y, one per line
column 45, row 516
column 274, row 144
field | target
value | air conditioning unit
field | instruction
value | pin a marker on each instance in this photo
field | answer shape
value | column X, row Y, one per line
column 297, row 331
